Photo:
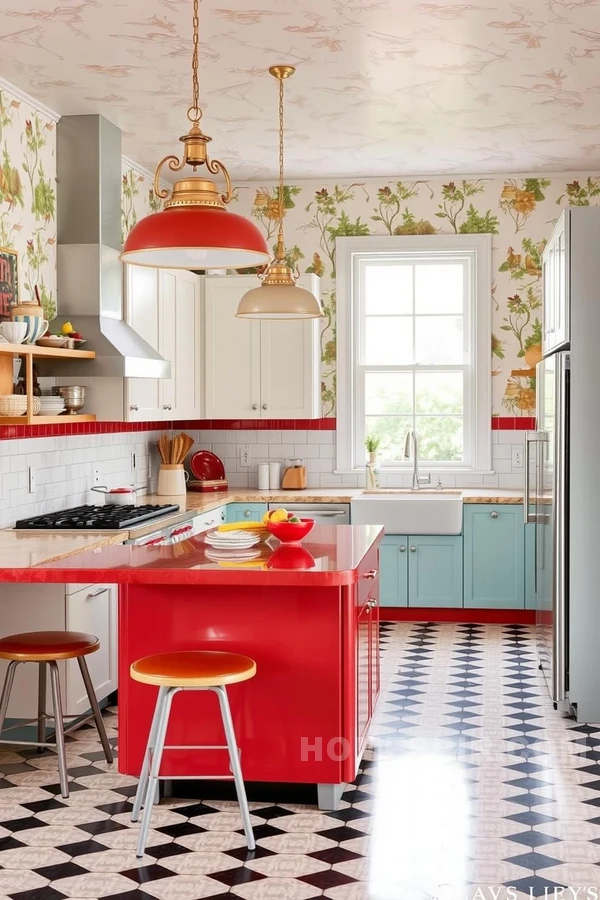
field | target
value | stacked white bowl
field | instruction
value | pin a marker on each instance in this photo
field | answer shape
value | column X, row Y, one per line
column 51, row 406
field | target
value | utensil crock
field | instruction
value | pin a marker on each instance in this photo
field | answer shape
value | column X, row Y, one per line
column 171, row 480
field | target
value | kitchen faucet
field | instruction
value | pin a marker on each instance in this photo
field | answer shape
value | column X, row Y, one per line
column 417, row 480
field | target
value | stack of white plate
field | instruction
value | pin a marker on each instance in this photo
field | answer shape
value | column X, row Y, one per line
column 232, row 540
column 232, row 555
column 51, row 406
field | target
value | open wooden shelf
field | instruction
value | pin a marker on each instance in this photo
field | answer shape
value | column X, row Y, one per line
column 523, row 373
column 44, row 420
column 34, row 350
column 30, row 352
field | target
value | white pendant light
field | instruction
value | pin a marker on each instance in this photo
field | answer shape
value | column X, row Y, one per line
column 279, row 297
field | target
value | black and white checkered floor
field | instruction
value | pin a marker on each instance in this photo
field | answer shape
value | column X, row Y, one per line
column 472, row 782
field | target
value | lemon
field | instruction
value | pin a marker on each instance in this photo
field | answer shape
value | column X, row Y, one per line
column 67, row 328
column 280, row 515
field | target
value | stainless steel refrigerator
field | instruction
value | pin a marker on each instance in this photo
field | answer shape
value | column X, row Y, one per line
column 562, row 464
column 547, row 511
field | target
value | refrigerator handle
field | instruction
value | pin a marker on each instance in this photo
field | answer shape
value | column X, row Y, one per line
column 531, row 437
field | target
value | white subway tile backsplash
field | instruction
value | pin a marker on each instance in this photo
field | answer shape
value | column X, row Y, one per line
column 294, row 437
column 510, row 482
column 64, row 465
column 305, row 451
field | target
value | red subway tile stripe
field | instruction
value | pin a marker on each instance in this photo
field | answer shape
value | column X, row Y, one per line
column 71, row 427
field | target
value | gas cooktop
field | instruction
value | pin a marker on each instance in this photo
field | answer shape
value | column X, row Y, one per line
column 97, row 518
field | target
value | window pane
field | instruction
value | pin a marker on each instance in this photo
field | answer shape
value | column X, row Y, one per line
column 439, row 393
column 388, row 341
column 439, row 288
column 389, row 392
column 440, row 438
column 439, row 340
column 392, row 430
column 388, row 290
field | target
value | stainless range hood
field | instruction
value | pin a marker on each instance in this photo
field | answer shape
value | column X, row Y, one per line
column 89, row 272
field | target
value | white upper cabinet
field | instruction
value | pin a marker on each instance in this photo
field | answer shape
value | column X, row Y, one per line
column 556, row 287
column 164, row 307
column 142, row 395
column 255, row 368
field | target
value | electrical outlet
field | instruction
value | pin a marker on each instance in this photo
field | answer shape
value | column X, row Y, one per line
column 517, row 458
column 244, row 455
column 31, row 486
column 96, row 476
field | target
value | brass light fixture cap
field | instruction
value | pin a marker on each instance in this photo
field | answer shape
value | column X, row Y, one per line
column 280, row 72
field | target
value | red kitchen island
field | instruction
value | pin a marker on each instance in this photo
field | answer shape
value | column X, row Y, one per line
column 308, row 615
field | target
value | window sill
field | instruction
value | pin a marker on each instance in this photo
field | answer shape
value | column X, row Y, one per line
column 423, row 470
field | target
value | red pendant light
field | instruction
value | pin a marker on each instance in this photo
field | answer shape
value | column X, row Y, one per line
column 195, row 230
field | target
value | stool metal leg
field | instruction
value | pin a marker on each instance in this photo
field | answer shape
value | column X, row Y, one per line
column 59, row 728
column 41, row 726
column 85, row 674
column 143, row 782
column 161, row 733
column 9, row 679
column 235, row 764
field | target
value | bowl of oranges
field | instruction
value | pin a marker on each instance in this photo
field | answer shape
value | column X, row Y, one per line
column 287, row 527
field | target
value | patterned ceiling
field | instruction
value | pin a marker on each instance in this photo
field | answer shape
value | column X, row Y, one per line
column 382, row 86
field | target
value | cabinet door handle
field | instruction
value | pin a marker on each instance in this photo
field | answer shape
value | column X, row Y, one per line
column 265, row 406
column 370, row 575
column 494, row 515
column 402, row 548
column 167, row 406
column 134, row 407
column 413, row 549
column 255, row 406
column 97, row 593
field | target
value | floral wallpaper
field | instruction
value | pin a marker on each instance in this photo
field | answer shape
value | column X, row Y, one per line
column 137, row 196
column 518, row 212
column 28, row 196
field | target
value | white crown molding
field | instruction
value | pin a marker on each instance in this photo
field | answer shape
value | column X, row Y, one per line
column 31, row 101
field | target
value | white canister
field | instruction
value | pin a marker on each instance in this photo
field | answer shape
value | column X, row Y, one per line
column 171, row 480
column 274, row 476
column 263, row 477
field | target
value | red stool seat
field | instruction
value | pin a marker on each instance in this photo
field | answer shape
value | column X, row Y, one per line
column 43, row 646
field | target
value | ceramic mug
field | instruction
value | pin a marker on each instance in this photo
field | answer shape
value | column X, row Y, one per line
column 171, row 480
column 13, row 332
column 36, row 327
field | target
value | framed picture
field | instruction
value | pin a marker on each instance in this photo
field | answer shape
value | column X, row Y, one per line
column 9, row 281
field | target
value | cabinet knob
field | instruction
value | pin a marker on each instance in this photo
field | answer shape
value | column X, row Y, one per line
column 402, row 548
column 494, row 515
column 413, row 549
column 167, row 406
column 255, row 406
column 265, row 406
column 371, row 574
column 134, row 407
column 247, row 513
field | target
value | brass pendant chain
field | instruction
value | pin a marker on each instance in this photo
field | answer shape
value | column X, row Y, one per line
column 194, row 113
column 281, row 158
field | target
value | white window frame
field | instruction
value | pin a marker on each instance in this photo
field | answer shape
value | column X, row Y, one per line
column 477, row 248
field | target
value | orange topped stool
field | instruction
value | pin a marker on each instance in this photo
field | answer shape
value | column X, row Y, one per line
column 45, row 648
column 188, row 670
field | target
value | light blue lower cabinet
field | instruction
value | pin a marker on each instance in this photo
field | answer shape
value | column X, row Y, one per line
column 421, row 570
column 245, row 512
column 393, row 570
column 435, row 571
column 494, row 556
